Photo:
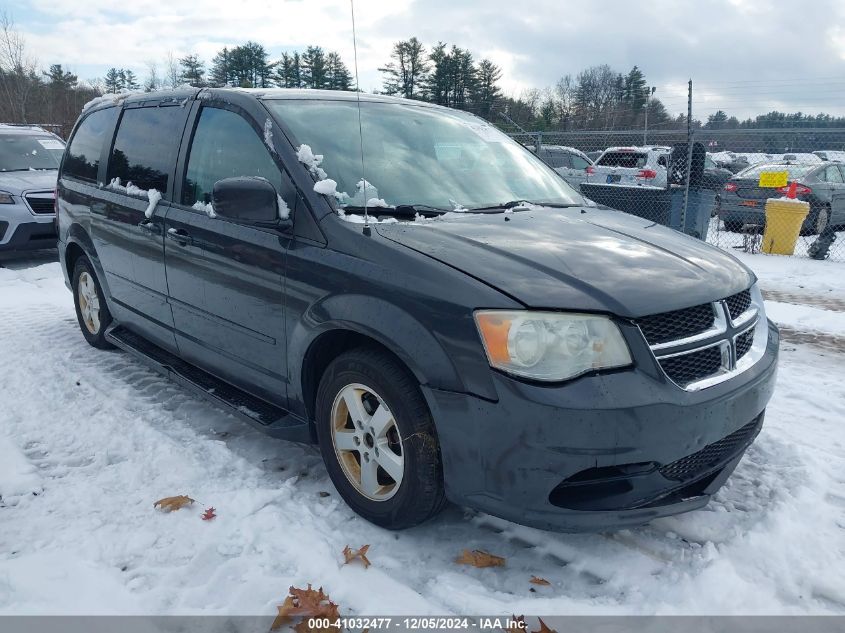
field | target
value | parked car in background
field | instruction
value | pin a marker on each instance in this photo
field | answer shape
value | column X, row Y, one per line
column 29, row 160
column 715, row 176
column 533, row 357
column 831, row 155
column 569, row 162
column 799, row 157
column 631, row 167
column 742, row 201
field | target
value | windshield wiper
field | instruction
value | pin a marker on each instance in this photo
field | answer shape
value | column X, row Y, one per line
column 518, row 203
column 401, row 210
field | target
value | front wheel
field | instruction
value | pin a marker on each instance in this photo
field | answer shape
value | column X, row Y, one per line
column 378, row 440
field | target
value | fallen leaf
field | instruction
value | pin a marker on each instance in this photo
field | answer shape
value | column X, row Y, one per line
column 352, row 554
column 306, row 602
column 208, row 514
column 517, row 625
column 480, row 558
column 169, row 504
column 543, row 628
column 536, row 580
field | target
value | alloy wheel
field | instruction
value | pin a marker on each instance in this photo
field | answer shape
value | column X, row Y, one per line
column 89, row 302
column 367, row 443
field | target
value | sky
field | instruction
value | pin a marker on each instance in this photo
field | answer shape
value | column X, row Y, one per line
column 744, row 56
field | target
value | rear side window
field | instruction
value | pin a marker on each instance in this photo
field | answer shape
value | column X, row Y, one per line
column 578, row 162
column 144, row 150
column 630, row 160
column 833, row 174
column 83, row 153
column 225, row 145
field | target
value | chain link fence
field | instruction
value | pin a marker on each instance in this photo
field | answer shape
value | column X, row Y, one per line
column 779, row 191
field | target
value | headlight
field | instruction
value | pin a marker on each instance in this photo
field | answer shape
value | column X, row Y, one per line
column 6, row 198
column 550, row 346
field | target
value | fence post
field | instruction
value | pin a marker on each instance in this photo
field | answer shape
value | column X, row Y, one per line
column 689, row 159
column 538, row 142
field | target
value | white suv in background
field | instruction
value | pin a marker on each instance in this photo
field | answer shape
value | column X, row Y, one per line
column 631, row 167
column 29, row 162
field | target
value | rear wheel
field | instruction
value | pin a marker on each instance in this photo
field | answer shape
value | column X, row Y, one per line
column 91, row 309
column 378, row 440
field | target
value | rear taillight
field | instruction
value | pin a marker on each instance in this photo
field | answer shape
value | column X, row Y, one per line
column 800, row 190
column 648, row 174
column 590, row 169
column 731, row 187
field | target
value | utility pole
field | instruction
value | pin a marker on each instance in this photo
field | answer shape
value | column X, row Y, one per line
column 648, row 93
column 689, row 158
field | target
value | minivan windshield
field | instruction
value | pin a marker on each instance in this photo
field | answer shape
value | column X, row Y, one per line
column 420, row 156
column 23, row 152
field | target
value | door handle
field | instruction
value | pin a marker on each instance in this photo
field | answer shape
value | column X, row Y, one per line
column 150, row 227
column 180, row 236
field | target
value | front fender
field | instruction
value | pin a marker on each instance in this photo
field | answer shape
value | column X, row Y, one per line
column 389, row 325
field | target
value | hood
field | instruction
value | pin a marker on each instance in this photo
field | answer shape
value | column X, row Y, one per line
column 587, row 259
column 16, row 182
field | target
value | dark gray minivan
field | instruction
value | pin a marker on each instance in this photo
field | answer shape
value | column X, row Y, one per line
column 444, row 315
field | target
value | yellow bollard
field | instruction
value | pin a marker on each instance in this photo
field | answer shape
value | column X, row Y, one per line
column 784, row 217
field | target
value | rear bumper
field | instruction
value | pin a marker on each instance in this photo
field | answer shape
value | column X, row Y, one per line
column 735, row 213
column 602, row 452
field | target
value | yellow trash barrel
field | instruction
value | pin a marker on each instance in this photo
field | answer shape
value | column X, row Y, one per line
column 784, row 217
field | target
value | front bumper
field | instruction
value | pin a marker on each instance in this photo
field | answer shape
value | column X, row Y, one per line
column 23, row 230
column 602, row 452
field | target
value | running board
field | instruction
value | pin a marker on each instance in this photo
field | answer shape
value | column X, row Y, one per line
column 271, row 419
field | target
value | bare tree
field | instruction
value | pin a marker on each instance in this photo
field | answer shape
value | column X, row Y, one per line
column 152, row 81
column 17, row 69
column 172, row 70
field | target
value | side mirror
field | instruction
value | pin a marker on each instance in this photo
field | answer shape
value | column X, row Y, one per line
column 247, row 199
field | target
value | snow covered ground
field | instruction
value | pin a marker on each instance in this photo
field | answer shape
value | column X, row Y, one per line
column 90, row 439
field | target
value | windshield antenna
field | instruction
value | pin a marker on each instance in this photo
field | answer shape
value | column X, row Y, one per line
column 360, row 126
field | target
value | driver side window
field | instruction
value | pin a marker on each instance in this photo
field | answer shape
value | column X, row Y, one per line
column 225, row 145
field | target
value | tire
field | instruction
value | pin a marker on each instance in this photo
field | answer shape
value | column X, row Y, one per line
column 93, row 316
column 822, row 219
column 389, row 398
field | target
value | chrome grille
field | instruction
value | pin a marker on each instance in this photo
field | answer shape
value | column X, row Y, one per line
column 738, row 304
column 685, row 369
column 700, row 346
column 668, row 326
column 743, row 343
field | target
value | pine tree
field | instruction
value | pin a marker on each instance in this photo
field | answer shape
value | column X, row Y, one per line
column 130, row 80
column 314, row 71
column 408, row 69
column 193, row 71
column 219, row 74
column 338, row 75
column 60, row 78
column 437, row 85
column 113, row 81
column 487, row 91
column 635, row 90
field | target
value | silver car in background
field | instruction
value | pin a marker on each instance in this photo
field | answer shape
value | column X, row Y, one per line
column 29, row 162
column 571, row 163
